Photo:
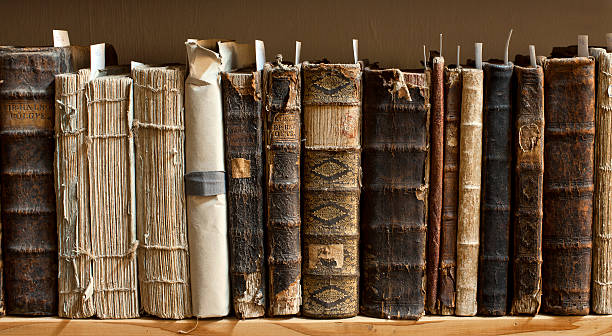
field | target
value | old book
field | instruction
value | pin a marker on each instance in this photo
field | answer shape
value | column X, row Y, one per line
column 436, row 174
column 468, row 222
column 282, row 103
column 602, row 207
column 496, row 190
column 163, row 253
column 448, row 235
column 568, row 184
column 331, row 188
column 395, row 186
column 28, row 195
column 242, row 101
column 527, row 198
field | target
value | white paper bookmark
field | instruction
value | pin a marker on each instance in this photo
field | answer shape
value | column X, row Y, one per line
column 356, row 50
column 425, row 56
column 298, row 51
column 532, row 55
column 60, row 38
column 260, row 55
column 507, row 47
column 478, row 47
column 441, row 45
column 98, row 61
column 583, row 45
column 458, row 57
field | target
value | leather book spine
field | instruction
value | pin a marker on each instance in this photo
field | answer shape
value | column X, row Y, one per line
column 244, row 159
column 468, row 222
column 282, row 119
column 436, row 174
column 528, row 188
column 331, row 188
column 569, row 95
column 602, row 228
column 395, row 187
column 496, row 190
column 28, row 194
column 450, row 196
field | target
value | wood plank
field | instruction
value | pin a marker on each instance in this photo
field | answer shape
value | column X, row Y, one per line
column 429, row 325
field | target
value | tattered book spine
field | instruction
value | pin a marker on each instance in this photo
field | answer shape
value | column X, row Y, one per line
column 244, row 159
column 282, row 94
column 395, row 186
column 568, row 184
column 72, row 193
column 163, row 255
column 496, row 191
column 28, row 195
column 112, row 201
column 331, row 185
column 528, row 184
column 468, row 223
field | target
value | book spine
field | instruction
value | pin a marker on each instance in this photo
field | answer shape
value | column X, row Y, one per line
column 244, row 159
column 331, row 188
column 163, row 254
column 72, row 191
column 282, row 103
column 602, row 231
column 28, row 194
column 568, row 184
column 527, row 203
column 448, row 234
column 468, row 223
column 496, row 190
column 111, row 167
column 436, row 175
column 395, row 187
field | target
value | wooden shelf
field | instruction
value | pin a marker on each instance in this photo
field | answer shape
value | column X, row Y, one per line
column 428, row 325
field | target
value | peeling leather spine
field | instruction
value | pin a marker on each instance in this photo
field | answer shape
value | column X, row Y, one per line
column 244, row 158
column 528, row 184
column 331, row 185
column 282, row 109
column 569, row 89
column 468, row 223
column 395, row 190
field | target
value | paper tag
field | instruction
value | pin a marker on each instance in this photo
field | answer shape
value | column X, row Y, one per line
column 583, row 45
column 260, row 54
column 478, row 55
column 356, row 50
column 532, row 55
column 60, row 38
column 298, row 51
column 98, row 61
column 610, row 90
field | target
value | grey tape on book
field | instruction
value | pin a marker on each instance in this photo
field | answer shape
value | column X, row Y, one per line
column 209, row 183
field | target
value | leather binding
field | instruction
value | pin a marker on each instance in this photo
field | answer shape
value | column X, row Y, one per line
column 331, row 188
column 436, row 175
column 244, row 160
column 395, row 188
column 282, row 107
column 450, row 195
column 569, row 95
column 527, row 199
column 28, row 194
column 496, row 190
column 468, row 222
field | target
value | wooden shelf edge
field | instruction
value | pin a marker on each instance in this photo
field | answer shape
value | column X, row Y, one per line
column 360, row 325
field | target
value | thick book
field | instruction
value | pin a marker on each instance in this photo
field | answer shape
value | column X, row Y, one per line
column 496, row 190
column 331, row 188
column 282, row 119
column 528, row 188
column 242, row 114
column 395, row 189
column 569, row 111
column 29, row 237
column 450, row 195
column 468, row 222
column 436, row 174
column 163, row 252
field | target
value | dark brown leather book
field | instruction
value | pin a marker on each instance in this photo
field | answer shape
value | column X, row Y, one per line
column 245, row 199
column 436, row 145
column 569, row 112
column 28, row 195
column 528, row 179
column 331, row 188
column 394, row 222
column 496, row 190
column 450, row 196
column 282, row 107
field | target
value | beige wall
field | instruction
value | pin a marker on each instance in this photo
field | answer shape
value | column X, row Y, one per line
column 391, row 32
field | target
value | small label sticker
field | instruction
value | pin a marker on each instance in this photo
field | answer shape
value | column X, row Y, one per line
column 241, row 168
column 98, row 62
column 326, row 256
column 610, row 90
column 60, row 38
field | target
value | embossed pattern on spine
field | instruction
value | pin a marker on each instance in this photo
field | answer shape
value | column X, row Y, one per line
column 395, row 188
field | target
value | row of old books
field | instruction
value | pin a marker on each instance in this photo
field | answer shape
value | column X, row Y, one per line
column 319, row 189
